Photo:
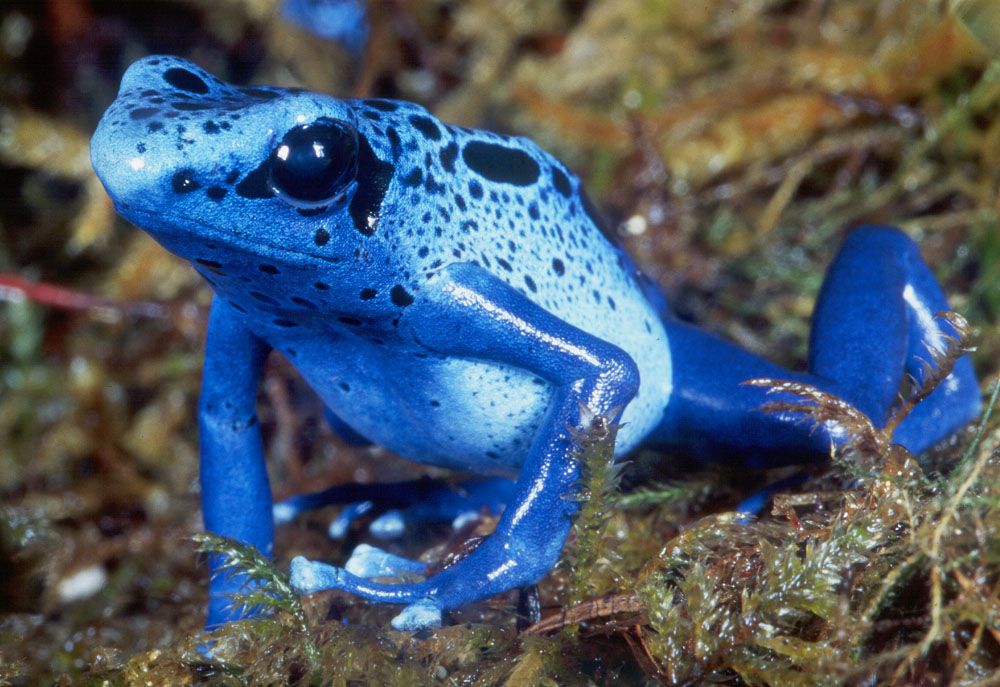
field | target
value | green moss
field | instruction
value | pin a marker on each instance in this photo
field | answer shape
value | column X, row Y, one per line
column 880, row 568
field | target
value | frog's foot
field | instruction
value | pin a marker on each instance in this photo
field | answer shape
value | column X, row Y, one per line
column 424, row 614
column 342, row 523
column 402, row 505
column 309, row 577
column 756, row 502
column 498, row 564
column 370, row 562
column 458, row 504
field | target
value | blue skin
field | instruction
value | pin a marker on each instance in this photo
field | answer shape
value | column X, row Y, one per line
column 451, row 295
column 342, row 21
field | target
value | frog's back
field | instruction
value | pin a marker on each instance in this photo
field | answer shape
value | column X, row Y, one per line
column 506, row 205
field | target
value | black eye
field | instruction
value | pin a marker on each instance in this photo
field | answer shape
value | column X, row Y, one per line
column 314, row 163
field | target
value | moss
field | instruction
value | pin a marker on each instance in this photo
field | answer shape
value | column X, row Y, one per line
column 741, row 145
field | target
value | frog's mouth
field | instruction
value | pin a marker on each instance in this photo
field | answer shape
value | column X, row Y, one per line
column 189, row 238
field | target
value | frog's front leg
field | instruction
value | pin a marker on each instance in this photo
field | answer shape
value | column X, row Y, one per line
column 235, row 493
column 464, row 311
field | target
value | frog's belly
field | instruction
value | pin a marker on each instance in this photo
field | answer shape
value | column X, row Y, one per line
column 453, row 412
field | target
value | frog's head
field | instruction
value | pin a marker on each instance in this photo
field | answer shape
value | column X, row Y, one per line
column 225, row 174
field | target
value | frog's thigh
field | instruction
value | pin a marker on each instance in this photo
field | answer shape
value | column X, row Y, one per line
column 347, row 434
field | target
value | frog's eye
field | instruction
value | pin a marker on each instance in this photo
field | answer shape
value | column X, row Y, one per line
column 314, row 163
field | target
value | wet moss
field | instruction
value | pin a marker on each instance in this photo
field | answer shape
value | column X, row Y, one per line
column 732, row 148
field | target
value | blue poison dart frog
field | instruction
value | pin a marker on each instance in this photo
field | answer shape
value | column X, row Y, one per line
column 454, row 296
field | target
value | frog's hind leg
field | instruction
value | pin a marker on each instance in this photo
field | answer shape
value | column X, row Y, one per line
column 874, row 321
column 347, row 434
column 402, row 504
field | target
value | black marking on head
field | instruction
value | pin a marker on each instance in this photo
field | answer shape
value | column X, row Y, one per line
column 414, row 178
column 213, row 264
column 260, row 93
column 372, row 115
column 373, row 177
column 353, row 321
column 321, row 237
column 237, row 307
column 504, row 264
column 304, row 302
column 321, row 286
column 500, row 164
column 153, row 127
column 395, row 145
column 311, row 212
column 263, row 298
column 183, row 181
column 561, row 182
column 530, row 284
column 426, row 126
column 558, row 267
column 255, row 185
column 379, row 104
column 143, row 112
column 211, row 127
column 595, row 216
column 424, row 250
column 475, row 189
column 268, row 269
column 434, row 188
column 368, row 294
column 215, row 193
column 345, row 386
column 190, row 107
column 460, row 203
column 448, row 156
column 400, row 296
column 185, row 80
column 232, row 176
column 533, row 212
column 281, row 322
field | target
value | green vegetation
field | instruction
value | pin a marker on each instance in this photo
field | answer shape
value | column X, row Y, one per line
column 733, row 142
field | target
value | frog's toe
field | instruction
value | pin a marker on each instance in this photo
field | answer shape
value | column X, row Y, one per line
column 309, row 577
column 421, row 615
column 342, row 523
column 369, row 561
column 389, row 525
column 283, row 513
column 464, row 518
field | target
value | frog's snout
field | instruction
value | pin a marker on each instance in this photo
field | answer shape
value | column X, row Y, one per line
column 165, row 109
column 176, row 134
